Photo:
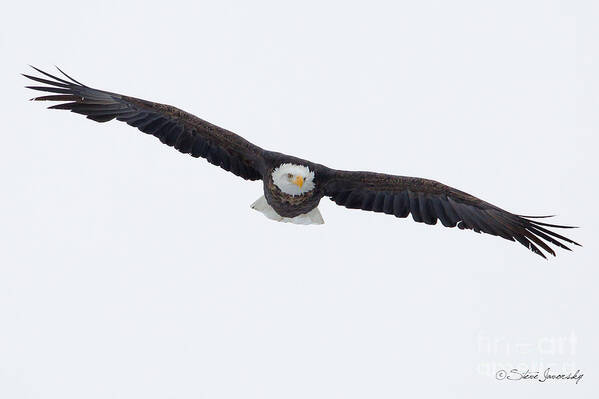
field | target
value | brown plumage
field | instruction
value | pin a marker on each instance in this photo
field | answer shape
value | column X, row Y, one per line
column 426, row 200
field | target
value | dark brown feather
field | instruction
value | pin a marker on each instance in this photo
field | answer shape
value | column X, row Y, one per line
column 174, row 127
column 428, row 200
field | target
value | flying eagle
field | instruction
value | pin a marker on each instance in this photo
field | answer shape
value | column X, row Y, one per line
column 293, row 187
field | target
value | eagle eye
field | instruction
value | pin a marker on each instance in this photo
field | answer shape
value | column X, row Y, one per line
column 289, row 175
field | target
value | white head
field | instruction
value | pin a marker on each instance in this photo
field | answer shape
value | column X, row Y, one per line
column 293, row 179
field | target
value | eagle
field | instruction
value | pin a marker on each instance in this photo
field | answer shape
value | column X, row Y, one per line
column 293, row 187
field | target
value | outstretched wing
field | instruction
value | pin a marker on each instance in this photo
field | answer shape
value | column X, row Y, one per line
column 428, row 200
column 174, row 127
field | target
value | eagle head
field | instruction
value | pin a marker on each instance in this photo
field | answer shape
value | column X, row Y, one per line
column 293, row 179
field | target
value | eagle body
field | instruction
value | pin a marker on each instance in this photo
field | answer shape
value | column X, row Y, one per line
column 293, row 187
column 288, row 205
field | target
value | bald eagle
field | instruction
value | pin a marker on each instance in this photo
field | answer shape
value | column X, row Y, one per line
column 293, row 187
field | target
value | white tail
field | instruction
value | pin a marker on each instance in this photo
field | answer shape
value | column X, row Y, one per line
column 312, row 217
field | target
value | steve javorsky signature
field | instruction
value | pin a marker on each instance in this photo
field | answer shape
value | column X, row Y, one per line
column 547, row 375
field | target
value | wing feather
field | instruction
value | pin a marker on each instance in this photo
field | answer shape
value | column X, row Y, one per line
column 172, row 126
column 429, row 201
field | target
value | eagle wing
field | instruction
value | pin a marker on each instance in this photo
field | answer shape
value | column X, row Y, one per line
column 174, row 127
column 429, row 201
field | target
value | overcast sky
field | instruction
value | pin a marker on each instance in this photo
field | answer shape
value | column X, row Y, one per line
column 129, row 270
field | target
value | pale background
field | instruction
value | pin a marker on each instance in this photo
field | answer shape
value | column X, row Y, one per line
column 129, row 270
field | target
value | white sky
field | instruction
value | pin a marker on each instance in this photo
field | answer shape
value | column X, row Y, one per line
column 130, row 270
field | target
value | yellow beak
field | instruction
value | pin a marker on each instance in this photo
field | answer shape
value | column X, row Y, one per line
column 299, row 181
